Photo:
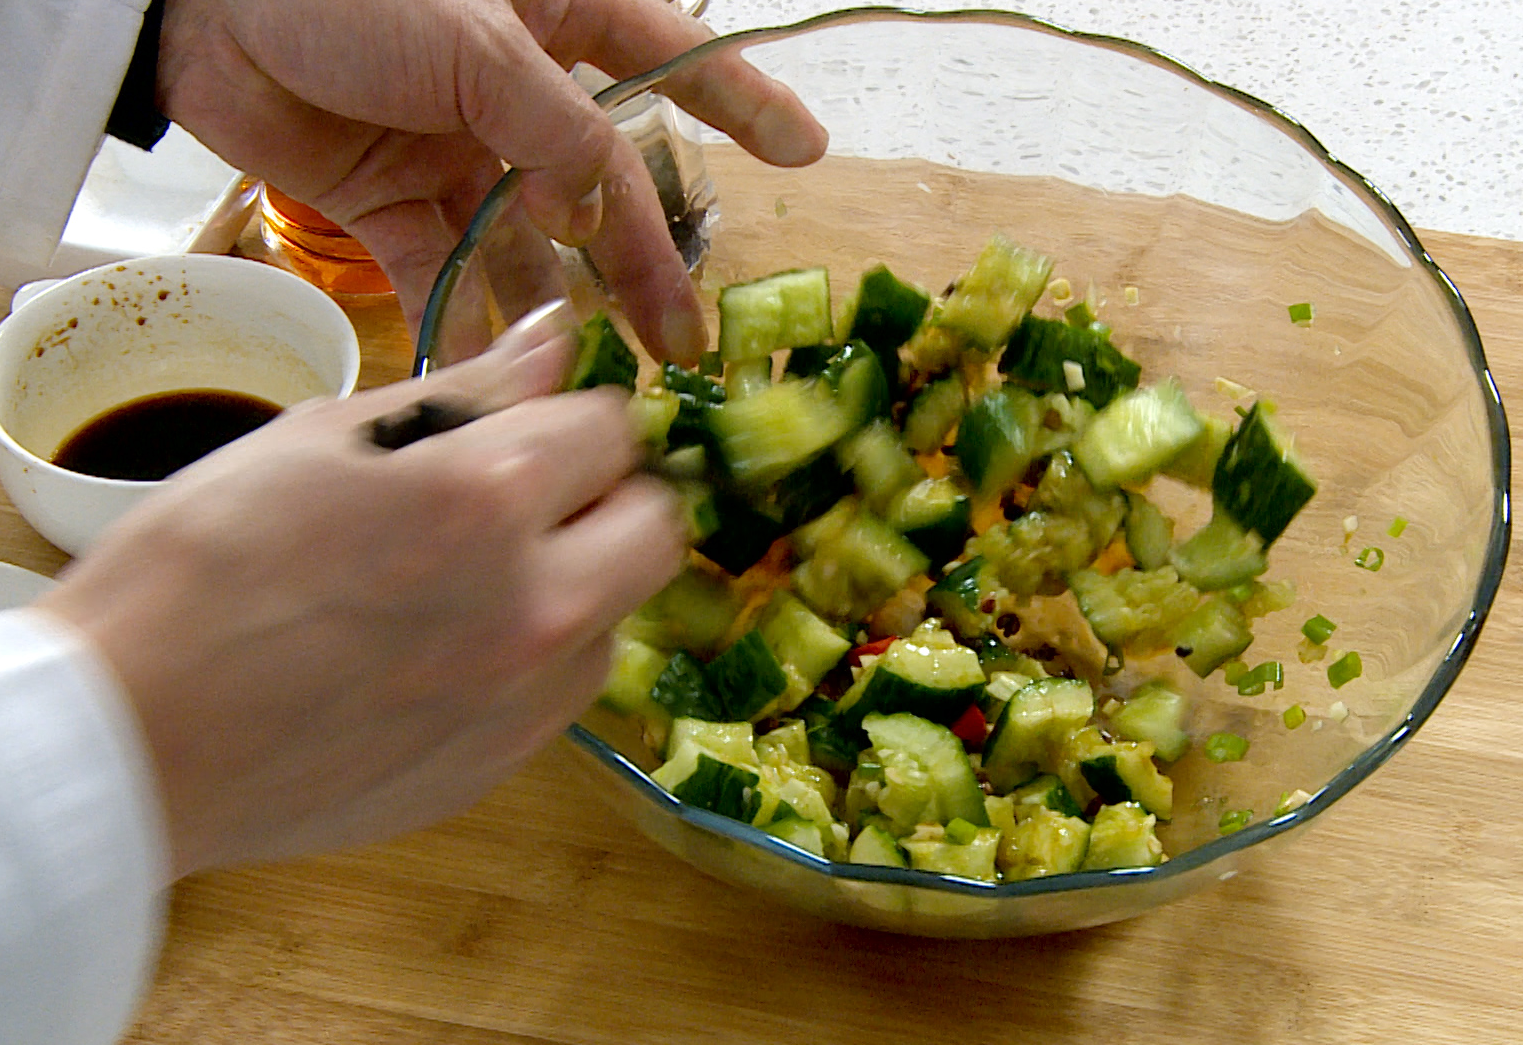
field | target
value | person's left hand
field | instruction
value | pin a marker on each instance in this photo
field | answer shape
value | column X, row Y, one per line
column 393, row 118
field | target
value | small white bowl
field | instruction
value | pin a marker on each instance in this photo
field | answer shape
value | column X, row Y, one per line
column 123, row 331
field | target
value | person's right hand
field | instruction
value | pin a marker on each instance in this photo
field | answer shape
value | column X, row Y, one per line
column 393, row 117
column 327, row 643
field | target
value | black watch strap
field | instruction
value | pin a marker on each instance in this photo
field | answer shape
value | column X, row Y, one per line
column 135, row 118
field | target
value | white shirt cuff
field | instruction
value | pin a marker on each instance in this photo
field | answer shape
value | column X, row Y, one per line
column 83, row 851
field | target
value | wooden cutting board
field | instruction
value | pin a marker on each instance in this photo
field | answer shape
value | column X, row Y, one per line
column 539, row 917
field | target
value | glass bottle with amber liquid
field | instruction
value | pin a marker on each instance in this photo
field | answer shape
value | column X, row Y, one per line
column 302, row 241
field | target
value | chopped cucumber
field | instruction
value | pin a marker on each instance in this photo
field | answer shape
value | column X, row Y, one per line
column 602, row 356
column 631, row 678
column 786, row 310
column 1196, row 463
column 1039, row 348
column 1045, row 792
column 747, row 377
column 693, row 612
column 713, row 768
column 934, row 413
column 950, row 788
column 1032, row 555
column 879, row 463
column 991, row 298
column 1044, row 843
column 1213, row 634
column 1136, row 435
column 767, row 435
column 1122, row 836
column 805, row 646
column 1122, row 771
column 886, row 314
column 683, row 690
column 855, row 562
column 807, row 493
column 959, row 598
column 972, row 859
column 997, row 439
column 1260, row 480
column 1033, row 722
column 861, row 388
column 1133, row 610
column 806, row 834
column 935, row 516
column 1149, row 533
column 741, row 535
column 746, row 677
column 1155, row 713
column 876, row 846
column 1221, row 554
column 927, row 675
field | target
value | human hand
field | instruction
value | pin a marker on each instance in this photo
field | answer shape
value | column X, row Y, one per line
column 389, row 117
column 327, row 643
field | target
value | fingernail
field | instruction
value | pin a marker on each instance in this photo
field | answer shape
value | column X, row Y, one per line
column 537, row 326
column 586, row 218
column 683, row 333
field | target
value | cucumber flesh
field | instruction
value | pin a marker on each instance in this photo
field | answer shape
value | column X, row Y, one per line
column 1260, row 480
column 934, row 679
column 997, row 438
column 954, row 790
column 1032, row 724
column 785, row 310
column 1221, row 554
column 1213, row 634
column 1155, row 713
column 1045, row 843
column 935, row 516
column 989, row 301
column 1136, row 435
column 1122, row 836
column 876, row 846
column 1196, row 463
column 1149, row 533
column 879, row 464
column 972, row 859
column 766, row 435
column 933, row 414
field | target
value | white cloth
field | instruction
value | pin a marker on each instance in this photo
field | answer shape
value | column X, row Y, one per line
column 83, row 855
column 61, row 65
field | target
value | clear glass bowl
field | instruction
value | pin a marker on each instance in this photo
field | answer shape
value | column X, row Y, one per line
column 1131, row 172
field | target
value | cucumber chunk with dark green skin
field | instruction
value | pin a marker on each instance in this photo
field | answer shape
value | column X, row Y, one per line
column 954, row 788
column 1122, row 771
column 1155, row 713
column 700, row 779
column 1221, row 554
column 997, row 439
column 1045, row 843
column 809, row 360
column 830, row 747
column 777, row 430
column 1149, row 533
column 862, row 389
column 935, row 516
column 696, row 396
column 1131, row 609
column 1260, row 480
column 746, row 677
column 603, row 357
column 875, row 846
column 1033, row 721
column 807, row 493
column 805, row 646
column 887, row 312
column 958, row 598
column 741, row 536
column 1039, row 347
column 936, row 682
column 683, row 689
column 1213, row 634
column 784, row 310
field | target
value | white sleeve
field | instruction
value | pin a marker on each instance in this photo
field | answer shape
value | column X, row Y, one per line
column 83, row 858
column 61, row 66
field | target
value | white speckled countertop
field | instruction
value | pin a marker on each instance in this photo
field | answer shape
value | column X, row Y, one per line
column 1422, row 97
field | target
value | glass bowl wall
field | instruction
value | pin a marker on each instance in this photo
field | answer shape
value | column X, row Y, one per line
column 1198, row 214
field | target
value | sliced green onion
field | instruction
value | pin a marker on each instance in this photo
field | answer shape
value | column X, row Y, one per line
column 1301, row 313
column 1226, row 747
column 869, row 771
column 1234, row 820
column 1371, row 559
column 710, row 365
column 1398, row 527
column 1269, row 673
column 1294, row 716
column 1345, row 669
column 1318, row 630
column 960, row 832
column 1233, row 671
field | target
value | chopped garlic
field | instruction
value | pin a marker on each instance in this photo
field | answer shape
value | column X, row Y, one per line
column 1294, row 800
column 1060, row 289
column 1111, row 706
column 1231, row 389
column 1133, row 295
column 1073, row 375
column 1350, row 524
column 1338, row 712
column 780, row 208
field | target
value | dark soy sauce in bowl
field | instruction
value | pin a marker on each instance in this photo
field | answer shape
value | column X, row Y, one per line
column 153, row 437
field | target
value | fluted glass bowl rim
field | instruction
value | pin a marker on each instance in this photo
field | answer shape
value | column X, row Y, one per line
column 1375, row 755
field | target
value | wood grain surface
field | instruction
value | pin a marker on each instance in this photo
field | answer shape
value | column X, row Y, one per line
column 538, row 917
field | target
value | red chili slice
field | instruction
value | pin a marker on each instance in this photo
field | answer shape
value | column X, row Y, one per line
column 871, row 649
column 971, row 728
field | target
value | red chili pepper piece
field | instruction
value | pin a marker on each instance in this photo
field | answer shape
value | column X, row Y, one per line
column 971, row 728
column 871, row 649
